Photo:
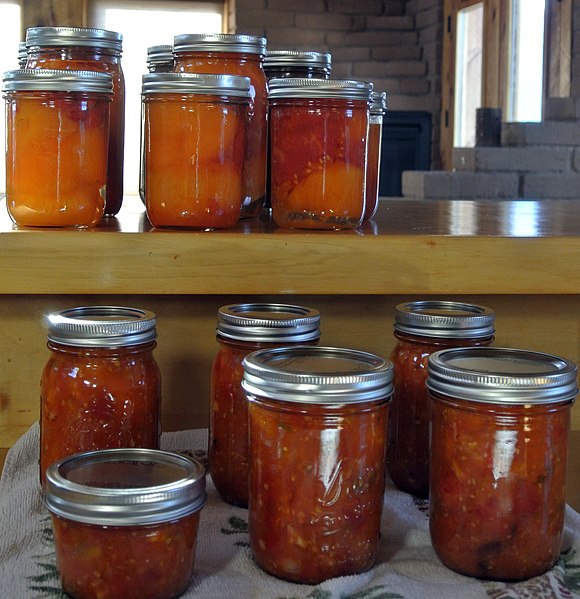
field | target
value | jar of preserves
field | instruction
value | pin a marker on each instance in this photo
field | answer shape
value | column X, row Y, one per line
column 78, row 48
column 243, row 55
column 125, row 522
column 318, row 136
column 377, row 110
column 317, row 424
column 22, row 55
column 297, row 64
column 205, row 116
column 101, row 386
column 500, row 421
column 421, row 328
column 241, row 330
column 56, row 153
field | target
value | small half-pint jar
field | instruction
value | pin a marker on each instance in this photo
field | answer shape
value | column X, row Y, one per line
column 500, row 421
column 297, row 64
column 318, row 143
column 194, row 148
column 125, row 522
column 57, row 132
column 317, row 425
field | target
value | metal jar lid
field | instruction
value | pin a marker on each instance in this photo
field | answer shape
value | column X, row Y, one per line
column 57, row 80
column 317, row 375
column 125, row 487
column 195, row 83
column 297, row 58
column 379, row 102
column 268, row 323
column 159, row 55
column 22, row 55
column 102, row 326
column 443, row 319
column 219, row 42
column 73, row 36
column 502, row 376
column 319, row 88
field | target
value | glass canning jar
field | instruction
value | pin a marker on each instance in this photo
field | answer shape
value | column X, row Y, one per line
column 101, row 386
column 421, row 328
column 78, row 48
column 56, row 152
column 317, row 424
column 205, row 116
column 318, row 136
column 500, row 422
column 297, row 64
column 377, row 111
column 243, row 55
column 241, row 330
column 125, row 522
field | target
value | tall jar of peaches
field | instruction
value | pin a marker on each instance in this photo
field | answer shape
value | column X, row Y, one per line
column 421, row 328
column 242, row 55
column 56, row 152
column 241, row 330
column 200, row 184
column 500, row 423
column 377, row 111
column 318, row 135
column 101, row 385
column 78, row 48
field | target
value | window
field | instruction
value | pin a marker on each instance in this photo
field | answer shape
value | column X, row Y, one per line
column 145, row 23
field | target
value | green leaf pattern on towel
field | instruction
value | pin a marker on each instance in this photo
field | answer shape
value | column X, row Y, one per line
column 46, row 584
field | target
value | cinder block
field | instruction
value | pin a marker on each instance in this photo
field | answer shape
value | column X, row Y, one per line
column 389, row 23
column 559, row 133
column 409, row 68
column 350, row 54
column 551, row 185
column 298, row 6
column 524, row 159
column 326, row 22
column 386, row 53
column 561, row 109
column 576, row 161
column 427, row 103
column 369, row 7
column 448, row 184
column 371, row 38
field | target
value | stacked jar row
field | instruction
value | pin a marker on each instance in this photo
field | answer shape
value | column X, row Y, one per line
column 205, row 150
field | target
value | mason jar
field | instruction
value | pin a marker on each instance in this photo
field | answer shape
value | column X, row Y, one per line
column 318, row 135
column 56, row 152
column 297, row 64
column 242, row 55
column 125, row 522
column 377, row 111
column 88, row 49
column 241, row 330
column 101, row 385
column 421, row 328
column 500, row 422
column 317, row 427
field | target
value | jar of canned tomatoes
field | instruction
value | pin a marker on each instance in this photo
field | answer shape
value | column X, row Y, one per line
column 243, row 55
column 421, row 328
column 318, row 136
column 241, row 330
column 125, row 522
column 205, row 116
column 297, row 63
column 377, row 111
column 317, row 424
column 57, row 136
column 500, row 422
column 78, row 48
column 101, row 386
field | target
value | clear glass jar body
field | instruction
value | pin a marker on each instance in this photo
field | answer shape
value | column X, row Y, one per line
column 318, row 162
column 103, row 60
column 134, row 562
column 208, row 190
column 98, row 398
column 373, row 165
column 247, row 65
column 409, row 415
column 497, row 491
column 316, row 487
column 56, row 160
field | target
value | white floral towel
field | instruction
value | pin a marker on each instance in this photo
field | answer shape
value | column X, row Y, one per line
column 407, row 567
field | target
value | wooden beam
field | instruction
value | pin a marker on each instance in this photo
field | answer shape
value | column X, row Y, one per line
column 53, row 13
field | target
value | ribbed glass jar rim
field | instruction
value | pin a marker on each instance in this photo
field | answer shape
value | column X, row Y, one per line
column 297, row 58
column 219, row 42
column 444, row 319
column 268, row 323
column 502, row 376
column 160, row 54
column 102, row 326
column 74, row 36
column 302, row 87
column 125, row 487
column 196, row 83
column 317, row 375
column 57, row 80
column 379, row 102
